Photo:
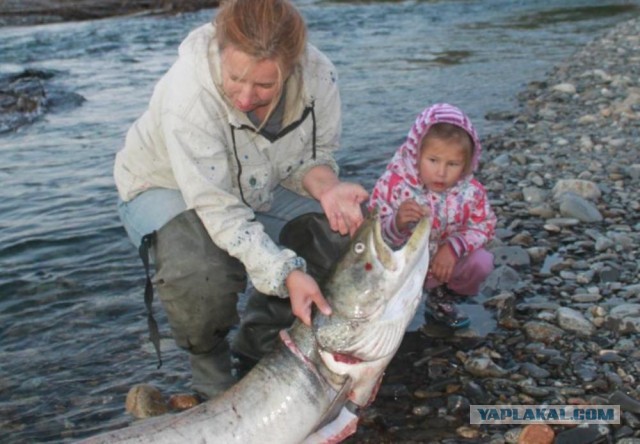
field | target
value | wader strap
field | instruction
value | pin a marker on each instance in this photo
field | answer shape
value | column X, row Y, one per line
column 154, row 334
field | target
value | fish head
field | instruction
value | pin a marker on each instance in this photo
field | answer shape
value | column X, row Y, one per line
column 374, row 292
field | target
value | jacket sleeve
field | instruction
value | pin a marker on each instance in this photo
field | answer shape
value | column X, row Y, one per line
column 479, row 223
column 327, row 114
column 199, row 160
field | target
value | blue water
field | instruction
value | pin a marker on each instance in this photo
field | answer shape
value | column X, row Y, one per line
column 73, row 335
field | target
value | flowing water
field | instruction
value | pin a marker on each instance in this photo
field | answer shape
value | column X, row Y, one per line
column 73, row 334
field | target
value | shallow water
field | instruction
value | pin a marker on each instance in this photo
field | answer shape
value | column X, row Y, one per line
column 73, row 335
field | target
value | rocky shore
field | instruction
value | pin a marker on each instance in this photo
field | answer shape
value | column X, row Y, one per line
column 565, row 183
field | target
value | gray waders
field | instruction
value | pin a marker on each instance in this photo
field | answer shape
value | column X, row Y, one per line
column 310, row 236
column 198, row 285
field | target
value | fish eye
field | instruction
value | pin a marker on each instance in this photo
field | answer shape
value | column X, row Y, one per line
column 358, row 248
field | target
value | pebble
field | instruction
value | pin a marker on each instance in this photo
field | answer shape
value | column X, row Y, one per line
column 536, row 434
column 144, row 401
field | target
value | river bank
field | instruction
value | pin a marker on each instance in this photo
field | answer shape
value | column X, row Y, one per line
column 565, row 184
column 35, row 12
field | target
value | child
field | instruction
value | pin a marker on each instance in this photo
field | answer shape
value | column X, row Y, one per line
column 431, row 175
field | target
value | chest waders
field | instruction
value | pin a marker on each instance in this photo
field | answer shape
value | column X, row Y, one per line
column 198, row 285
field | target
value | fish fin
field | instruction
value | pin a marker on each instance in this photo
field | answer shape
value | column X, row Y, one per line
column 336, row 405
column 340, row 428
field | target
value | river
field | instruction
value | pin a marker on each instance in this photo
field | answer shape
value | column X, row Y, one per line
column 73, row 335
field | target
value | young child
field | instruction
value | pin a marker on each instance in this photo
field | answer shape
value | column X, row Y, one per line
column 431, row 175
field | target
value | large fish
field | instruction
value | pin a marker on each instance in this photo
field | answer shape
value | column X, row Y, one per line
column 309, row 388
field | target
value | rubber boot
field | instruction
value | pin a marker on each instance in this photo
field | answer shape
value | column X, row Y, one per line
column 212, row 372
column 198, row 283
column 311, row 237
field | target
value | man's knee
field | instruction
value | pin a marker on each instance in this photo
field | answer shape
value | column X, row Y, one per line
column 197, row 283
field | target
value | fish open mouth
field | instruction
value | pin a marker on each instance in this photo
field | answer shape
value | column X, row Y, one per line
column 346, row 359
column 374, row 294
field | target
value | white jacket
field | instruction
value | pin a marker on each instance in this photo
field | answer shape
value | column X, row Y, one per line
column 185, row 141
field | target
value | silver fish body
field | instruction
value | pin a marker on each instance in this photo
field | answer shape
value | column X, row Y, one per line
column 299, row 392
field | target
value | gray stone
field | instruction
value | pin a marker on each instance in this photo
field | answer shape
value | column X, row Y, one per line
column 577, row 207
column 511, row 256
column 624, row 318
column 542, row 331
column 574, row 321
column 587, row 189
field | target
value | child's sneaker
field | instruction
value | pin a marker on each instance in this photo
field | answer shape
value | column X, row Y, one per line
column 440, row 307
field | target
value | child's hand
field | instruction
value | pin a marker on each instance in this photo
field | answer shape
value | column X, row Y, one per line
column 410, row 212
column 443, row 262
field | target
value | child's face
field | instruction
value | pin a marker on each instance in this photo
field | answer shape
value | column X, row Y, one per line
column 441, row 163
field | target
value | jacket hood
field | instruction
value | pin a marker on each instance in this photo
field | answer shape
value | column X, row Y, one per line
column 405, row 160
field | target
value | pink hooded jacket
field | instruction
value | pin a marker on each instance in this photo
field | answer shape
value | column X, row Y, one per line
column 461, row 215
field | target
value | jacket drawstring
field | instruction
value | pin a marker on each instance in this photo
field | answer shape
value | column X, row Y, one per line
column 235, row 154
column 313, row 133
column 272, row 138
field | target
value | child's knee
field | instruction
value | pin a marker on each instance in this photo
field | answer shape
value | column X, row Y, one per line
column 482, row 264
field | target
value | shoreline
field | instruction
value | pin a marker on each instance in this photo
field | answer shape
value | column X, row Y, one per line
column 38, row 12
column 564, row 181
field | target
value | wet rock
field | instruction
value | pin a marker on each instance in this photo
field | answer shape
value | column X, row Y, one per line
column 534, row 195
column 585, row 188
column 28, row 94
column 567, row 88
column 626, row 402
column 468, row 432
column 530, row 369
column 573, row 321
column 183, row 401
column 574, row 206
column 586, row 371
column 590, row 434
column 624, row 319
column 422, row 410
column 542, row 331
column 458, row 405
column 631, row 420
column 144, row 400
column 503, row 278
column 511, row 256
column 536, row 434
column 628, row 440
column 22, row 98
column 484, row 367
column 623, row 432
column 511, row 436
